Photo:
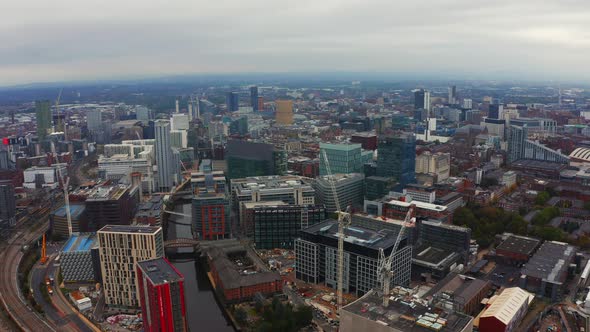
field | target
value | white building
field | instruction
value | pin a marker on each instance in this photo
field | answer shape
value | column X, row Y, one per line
column 43, row 177
column 438, row 164
column 122, row 246
column 179, row 121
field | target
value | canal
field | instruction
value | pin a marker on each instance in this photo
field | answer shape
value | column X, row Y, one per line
column 202, row 310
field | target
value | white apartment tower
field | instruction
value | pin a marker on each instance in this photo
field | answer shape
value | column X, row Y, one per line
column 120, row 247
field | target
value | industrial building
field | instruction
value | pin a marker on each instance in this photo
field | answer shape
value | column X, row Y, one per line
column 516, row 249
column 235, row 274
column 546, row 272
column 161, row 290
column 349, row 189
column 120, row 248
column 277, row 224
column 111, row 205
column 59, row 221
column 316, row 256
column 404, row 313
column 506, row 311
column 80, row 260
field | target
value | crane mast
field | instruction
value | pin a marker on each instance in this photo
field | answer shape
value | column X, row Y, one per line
column 343, row 222
column 385, row 271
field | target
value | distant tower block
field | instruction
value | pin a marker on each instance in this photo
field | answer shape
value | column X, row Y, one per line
column 190, row 110
column 260, row 103
column 284, row 113
column 136, row 182
column 177, row 107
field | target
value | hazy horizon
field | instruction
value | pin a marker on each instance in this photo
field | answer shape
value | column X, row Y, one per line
column 454, row 39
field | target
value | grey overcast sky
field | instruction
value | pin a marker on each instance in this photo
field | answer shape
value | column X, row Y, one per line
column 49, row 41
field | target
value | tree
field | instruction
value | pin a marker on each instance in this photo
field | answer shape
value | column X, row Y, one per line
column 542, row 198
column 241, row 315
column 303, row 316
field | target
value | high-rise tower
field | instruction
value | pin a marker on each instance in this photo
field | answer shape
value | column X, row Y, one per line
column 163, row 154
column 254, row 98
column 284, row 113
column 43, row 116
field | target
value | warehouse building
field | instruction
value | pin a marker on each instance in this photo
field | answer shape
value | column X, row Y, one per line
column 546, row 272
column 517, row 249
column 506, row 311
column 460, row 293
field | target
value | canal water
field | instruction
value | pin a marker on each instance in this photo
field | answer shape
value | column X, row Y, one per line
column 202, row 310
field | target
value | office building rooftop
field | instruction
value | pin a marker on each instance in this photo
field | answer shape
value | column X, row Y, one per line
column 107, row 193
column 160, row 271
column 80, row 242
column 354, row 234
column 246, row 185
column 138, row 229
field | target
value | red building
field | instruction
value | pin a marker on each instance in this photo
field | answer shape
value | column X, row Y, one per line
column 161, row 292
column 506, row 312
column 368, row 141
column 517, row 248
column 304, row 166
column 240, row 283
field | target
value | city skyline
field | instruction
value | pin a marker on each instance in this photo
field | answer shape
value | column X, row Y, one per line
column 459, row 38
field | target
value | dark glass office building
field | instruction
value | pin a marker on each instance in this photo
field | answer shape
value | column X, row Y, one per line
column 246, row 159
column 232, row 101
column 396, row 157
column 254, row 98
column 278, row 226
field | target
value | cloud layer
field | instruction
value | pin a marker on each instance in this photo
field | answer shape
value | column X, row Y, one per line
column 71, row 40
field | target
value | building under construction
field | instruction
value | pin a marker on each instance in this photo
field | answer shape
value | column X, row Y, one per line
column 316, row 252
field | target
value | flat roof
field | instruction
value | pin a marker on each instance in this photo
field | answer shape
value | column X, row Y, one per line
column 519, row 244
column 420, row 205
column 406, row 313
column 105, row 193
column 140, row 229
column 75, row 211
column 159, row 271
column 80, row 242
column 434, row 256
column 354, row 234
column 550, row 262
column 460, row 286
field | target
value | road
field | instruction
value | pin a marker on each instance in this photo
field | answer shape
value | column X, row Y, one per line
column 12, row 300
column 58, row 311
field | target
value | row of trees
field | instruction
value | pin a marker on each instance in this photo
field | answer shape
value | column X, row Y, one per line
column 487, row 221
column 277, row 316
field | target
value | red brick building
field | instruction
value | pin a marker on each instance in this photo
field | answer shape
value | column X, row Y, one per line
column 240, row 283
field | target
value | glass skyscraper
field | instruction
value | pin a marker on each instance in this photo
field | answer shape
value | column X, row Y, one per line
column 396, row 157
column 43, row 116
column 254, row 98
column 232, row 101
column 343, row 158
